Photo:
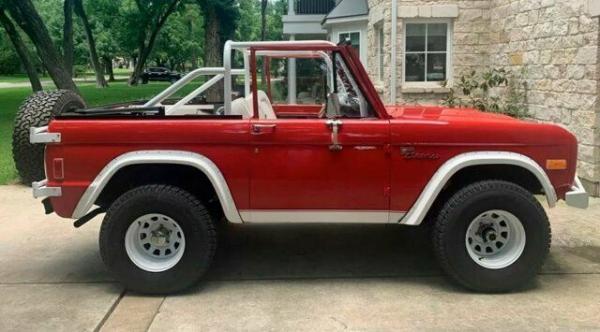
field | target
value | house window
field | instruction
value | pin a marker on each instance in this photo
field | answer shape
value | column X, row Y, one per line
column 380, row 51
column 427, row 56
column 353, row 37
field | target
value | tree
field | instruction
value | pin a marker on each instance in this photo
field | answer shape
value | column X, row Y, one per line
column 21, row 50
column 26, row 16
column 153, row 15
column 180, row 40
column 108, row 29
column 68, row 48
column 216, row 13
column 275, row 11
column 250, row 16
column 98, row 69
column 263, row 19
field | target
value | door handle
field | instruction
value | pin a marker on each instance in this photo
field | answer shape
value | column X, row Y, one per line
column 334, row 125
column 258, row 128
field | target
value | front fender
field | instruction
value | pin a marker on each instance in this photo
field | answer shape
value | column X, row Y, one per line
column 437, row 182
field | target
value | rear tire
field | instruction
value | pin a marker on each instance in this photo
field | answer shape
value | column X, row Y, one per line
column 37, row 111
column 157, row 239
column 492, row 236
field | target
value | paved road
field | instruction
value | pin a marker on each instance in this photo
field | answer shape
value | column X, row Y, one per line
column 288, row 278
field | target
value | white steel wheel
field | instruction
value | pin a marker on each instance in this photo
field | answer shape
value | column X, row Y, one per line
column 154, row 242
column 495, row 239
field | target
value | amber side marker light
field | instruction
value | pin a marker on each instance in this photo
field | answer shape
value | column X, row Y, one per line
column 556, row 164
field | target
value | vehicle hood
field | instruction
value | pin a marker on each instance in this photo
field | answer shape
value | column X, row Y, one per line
column 445, row 114
column 469, row 126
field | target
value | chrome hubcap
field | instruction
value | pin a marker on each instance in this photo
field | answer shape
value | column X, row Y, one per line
column 154, row 242
column 495, row 239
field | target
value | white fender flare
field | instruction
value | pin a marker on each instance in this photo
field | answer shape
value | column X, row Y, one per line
column 172, row 157
column 418, row 211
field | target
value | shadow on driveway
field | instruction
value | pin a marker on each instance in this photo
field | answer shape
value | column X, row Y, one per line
column 251, row 252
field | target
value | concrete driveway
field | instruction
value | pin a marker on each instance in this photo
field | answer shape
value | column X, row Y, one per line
column 287, row 277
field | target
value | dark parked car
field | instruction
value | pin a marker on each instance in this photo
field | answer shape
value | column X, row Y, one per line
column 159, row 74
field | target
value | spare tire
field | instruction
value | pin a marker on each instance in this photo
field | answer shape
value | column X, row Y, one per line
column 37, row 111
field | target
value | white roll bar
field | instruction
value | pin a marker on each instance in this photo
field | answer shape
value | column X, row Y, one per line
column 226, row 72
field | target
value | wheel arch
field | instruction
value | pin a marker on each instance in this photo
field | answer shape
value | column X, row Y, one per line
column 160, row 158
column 530, row 176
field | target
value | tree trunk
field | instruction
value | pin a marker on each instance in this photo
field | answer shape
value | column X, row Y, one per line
column 98, row 69
column 26, row 16
column 194, row 61
column 68, row 36
column 139, row 62
column 21, row 50
column 213, row 51
column 109, row 68
column 263, row 19
column 144, row 48
column 263, row 29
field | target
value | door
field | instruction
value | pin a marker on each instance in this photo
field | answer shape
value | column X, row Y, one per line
column 307, row 168
column 298, row 175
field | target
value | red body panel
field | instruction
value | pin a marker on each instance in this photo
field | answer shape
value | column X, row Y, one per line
column 89, row 145
column 445, row 133
column 288, row 164
column 293, row 167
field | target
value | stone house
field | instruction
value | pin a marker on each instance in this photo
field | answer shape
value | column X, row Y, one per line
column 410, row 47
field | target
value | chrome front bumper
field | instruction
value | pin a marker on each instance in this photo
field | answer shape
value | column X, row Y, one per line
column 40, row 189
column 577, row 197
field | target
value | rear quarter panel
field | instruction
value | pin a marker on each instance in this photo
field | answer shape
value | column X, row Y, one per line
column 87, row 146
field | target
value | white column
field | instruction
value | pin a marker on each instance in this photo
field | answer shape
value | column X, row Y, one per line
column 291, row 8
column 292, row 76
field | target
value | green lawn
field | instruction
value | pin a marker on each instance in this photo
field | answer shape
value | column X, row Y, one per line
column 11, row 98
column 18, row 78
column 88, row 75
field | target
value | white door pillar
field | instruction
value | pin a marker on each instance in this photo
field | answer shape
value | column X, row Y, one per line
column 292, row 77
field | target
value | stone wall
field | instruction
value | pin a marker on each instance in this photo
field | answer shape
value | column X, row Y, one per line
column 553, row 43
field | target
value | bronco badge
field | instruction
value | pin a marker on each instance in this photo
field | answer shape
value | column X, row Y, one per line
column 408, row 152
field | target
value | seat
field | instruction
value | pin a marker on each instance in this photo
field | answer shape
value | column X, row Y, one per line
column 265, row 109
column 241, row 107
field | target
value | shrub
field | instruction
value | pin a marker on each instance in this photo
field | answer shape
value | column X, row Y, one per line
column 496, row 91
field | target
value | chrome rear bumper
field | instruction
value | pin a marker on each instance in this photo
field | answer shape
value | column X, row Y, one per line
column 41, row 135
column 577, row 197
column 40, row 189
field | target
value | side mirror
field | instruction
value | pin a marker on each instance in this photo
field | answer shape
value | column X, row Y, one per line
column 333, row 105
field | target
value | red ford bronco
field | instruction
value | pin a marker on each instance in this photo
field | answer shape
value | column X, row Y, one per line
column 166, row 170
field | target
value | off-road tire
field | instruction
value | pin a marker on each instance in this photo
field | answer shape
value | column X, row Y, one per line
column 195, row 221
column 465, row 205
column 37, row 111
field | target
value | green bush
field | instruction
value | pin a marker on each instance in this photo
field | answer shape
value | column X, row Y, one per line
column 496, row 91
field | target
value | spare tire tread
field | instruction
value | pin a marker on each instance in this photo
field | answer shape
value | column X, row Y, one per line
column 37, row 111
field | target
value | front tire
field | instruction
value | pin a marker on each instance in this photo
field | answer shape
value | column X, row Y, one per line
column 492, row 236
column 157, row 239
